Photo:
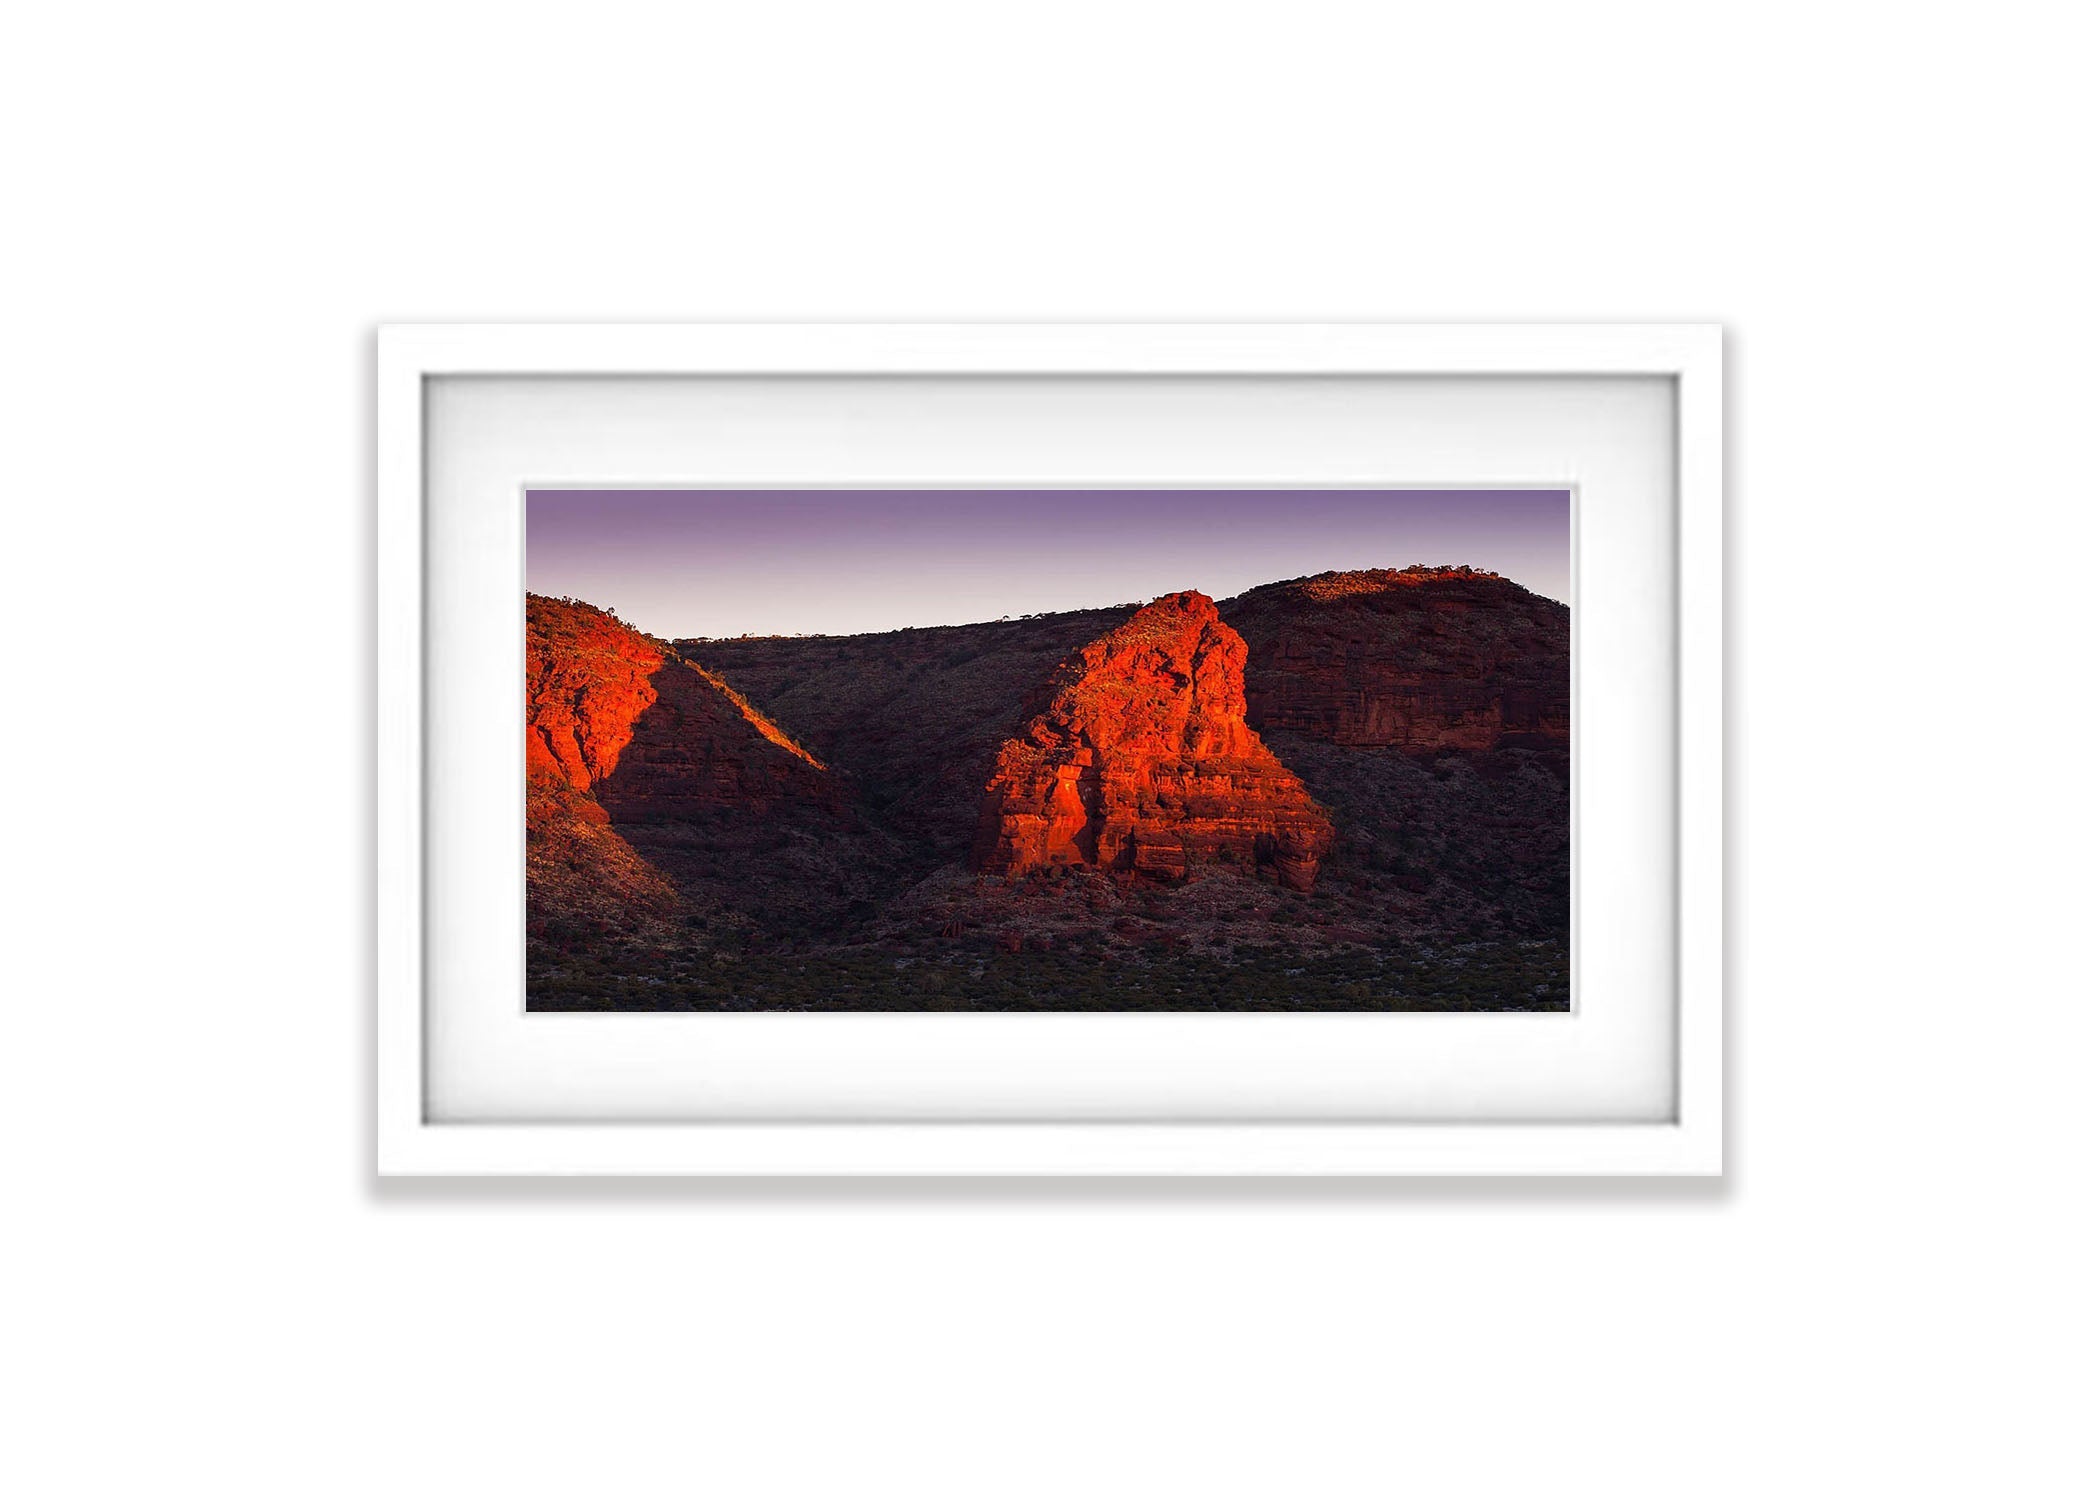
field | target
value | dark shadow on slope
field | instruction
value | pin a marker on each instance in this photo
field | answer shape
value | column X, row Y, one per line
column 1432, row 716
column 913, row 717
column 739, row 818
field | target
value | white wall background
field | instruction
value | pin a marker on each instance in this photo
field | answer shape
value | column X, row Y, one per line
column 211, row 205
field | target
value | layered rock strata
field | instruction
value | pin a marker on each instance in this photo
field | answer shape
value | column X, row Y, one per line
column 1142, row 761
column 1419, row 660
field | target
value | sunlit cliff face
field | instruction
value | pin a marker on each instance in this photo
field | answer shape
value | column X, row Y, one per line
column 1143, row 763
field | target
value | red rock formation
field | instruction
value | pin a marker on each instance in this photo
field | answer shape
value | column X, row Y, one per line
column 586, row 682
column 647, row 734
column 1143, row 761
column 1419, row 660
column 626, row 745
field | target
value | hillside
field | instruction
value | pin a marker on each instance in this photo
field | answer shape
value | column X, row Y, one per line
column 661, row 804
column 1428, row 708
column 1336, row 792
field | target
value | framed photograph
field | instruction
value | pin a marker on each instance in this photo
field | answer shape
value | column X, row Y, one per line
column 1050, row 749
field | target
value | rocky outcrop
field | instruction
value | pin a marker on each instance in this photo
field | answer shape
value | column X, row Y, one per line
column 1142, row 761
column 586, row 682
column 1419, row 660
column 650, row 736
column 659, row 802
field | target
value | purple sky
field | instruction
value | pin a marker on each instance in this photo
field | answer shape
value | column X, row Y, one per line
column 842, row 562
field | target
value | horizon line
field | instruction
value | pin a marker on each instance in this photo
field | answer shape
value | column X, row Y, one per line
column 715, row 563
column 1130, row 604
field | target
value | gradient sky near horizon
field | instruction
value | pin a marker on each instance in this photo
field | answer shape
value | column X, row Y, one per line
column 847, row 562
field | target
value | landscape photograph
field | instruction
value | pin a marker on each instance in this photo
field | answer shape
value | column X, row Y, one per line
column 1064, row 750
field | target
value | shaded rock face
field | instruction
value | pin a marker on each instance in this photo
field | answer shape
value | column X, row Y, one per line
column 911, row 717
column 1142, row 761
column 1419, row 660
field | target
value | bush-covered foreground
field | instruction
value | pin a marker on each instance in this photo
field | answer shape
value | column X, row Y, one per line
column 1506, row 976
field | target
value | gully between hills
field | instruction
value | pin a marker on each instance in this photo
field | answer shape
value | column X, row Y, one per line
column 1346, row 791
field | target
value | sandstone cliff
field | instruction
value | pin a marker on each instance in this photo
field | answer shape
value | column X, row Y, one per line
column 1420, row 660
column 652, row 736
column 656, row 793
column 1142, row 761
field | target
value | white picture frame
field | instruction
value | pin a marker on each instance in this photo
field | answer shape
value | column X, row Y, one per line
column 1688, row 1141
